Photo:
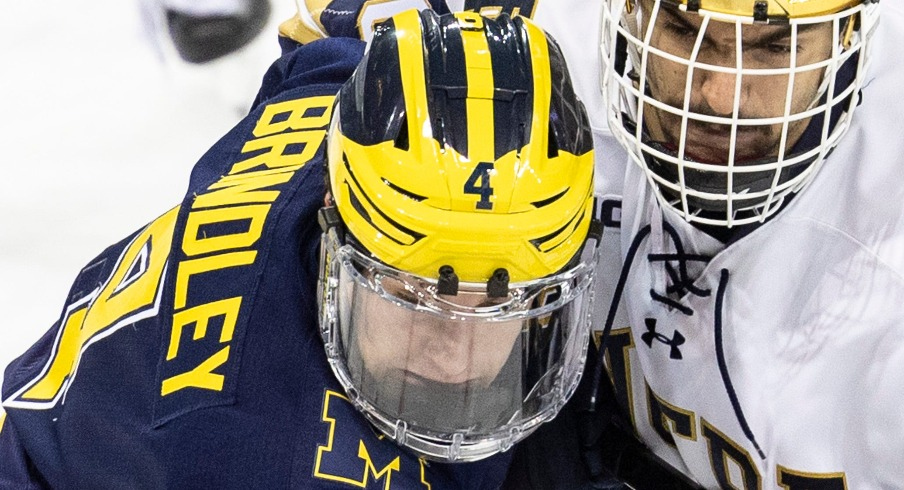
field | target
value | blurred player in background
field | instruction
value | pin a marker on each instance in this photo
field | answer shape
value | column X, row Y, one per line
column 454, row 251
column 204, row 30
column 755, row 337
column 221, row 46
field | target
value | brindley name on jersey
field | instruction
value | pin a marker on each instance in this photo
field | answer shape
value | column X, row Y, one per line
column 189, row 353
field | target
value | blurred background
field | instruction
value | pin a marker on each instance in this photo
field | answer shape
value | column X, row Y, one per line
column 101, row 121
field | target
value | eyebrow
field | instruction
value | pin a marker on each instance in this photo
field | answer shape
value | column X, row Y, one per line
column 778, row 34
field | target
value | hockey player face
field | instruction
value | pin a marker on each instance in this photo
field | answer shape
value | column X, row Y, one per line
column 429, row 368
column 432, row 371
column 400, row 343
column 727, row 77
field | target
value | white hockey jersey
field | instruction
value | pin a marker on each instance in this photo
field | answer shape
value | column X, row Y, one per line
column 777, row 361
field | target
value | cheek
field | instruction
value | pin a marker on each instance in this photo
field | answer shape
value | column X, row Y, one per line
column 383, row 336
column 495, row 347
column 765, row 96
column 666, row 80
column 806, row 88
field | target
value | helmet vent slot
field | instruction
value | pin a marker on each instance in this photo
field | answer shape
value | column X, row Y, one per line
column 550, row 200
column 553, row 149
column 401, row 139
column 404, row 192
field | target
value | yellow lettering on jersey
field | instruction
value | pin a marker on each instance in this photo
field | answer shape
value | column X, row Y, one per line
column 193, row 267
column 423, row 464
column 200, row 315
column 2, row 420
column 286, row 137
column 278, row 154
column 245, row 188
column 308, row 113
column 303, row 118
column 196, row 242
column 67, row 352
column 130, row 293
column 199, row 377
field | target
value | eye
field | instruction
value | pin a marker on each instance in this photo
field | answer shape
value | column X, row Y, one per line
column 777, row 48
column 680, row 30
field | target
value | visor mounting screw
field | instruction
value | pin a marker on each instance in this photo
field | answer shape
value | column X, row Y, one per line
column 448, row 281
column 498, row 285
column 693, row 6
column 328, row 217
column 761, row 11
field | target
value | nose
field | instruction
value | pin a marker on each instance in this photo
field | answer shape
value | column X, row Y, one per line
column 716, row 91
column 447, row 355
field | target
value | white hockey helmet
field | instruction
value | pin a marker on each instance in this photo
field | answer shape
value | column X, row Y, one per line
column 731, row 106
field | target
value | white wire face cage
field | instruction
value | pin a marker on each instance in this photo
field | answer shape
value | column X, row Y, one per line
column 728, row 115
column 453, row 378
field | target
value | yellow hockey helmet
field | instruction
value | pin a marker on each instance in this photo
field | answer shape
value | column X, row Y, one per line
column 460, row 142
column 455, row 286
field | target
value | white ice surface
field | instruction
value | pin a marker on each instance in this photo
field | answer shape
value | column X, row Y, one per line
column 98, row 133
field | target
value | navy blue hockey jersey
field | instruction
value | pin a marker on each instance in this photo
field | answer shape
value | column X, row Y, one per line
column 188, row 355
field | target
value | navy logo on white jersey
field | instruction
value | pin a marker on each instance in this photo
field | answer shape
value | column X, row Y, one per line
column 651, row 334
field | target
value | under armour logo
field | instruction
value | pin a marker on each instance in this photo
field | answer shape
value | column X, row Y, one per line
column 651, row 335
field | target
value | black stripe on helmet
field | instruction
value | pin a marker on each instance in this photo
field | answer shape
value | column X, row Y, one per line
column 569, row 124
column 447, row 84
column 371, row 103
column 543, row 240
column 359, row 207
column 513, row 77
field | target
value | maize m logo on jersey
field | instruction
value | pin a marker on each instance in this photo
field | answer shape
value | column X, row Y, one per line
column 362, row 458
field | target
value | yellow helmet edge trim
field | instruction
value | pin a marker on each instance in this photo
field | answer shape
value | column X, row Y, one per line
column 791, row 9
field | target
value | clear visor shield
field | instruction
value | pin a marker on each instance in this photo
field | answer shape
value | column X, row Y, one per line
column 726, row 114
column 455, row 378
